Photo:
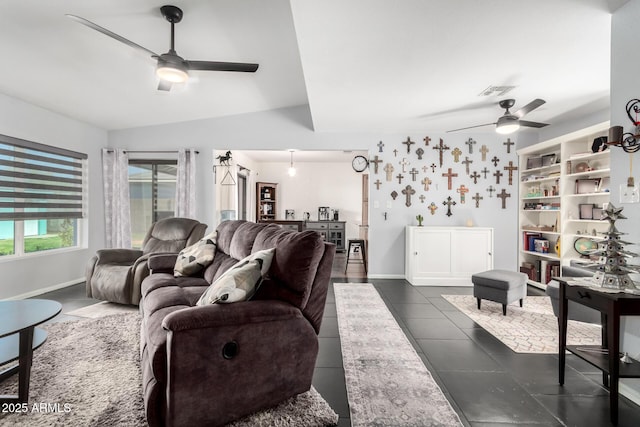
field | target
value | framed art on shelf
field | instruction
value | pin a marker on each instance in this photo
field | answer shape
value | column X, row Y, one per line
column 588, row 185
column 586, row 210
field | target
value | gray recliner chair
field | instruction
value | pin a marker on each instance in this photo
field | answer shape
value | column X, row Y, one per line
column 576, row 311
column 115, row 275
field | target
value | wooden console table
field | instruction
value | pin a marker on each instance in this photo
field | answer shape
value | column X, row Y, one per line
column 611, row 306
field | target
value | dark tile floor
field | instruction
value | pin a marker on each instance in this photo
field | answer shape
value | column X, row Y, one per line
column 486, row 382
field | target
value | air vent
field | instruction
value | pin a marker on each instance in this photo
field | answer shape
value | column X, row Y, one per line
column 496, row 90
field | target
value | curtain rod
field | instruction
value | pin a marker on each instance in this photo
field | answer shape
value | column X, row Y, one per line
column 154, row 151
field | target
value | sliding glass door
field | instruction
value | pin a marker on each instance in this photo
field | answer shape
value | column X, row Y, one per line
column 152, row 190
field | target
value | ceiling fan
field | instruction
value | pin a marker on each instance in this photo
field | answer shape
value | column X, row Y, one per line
column 172, row 68
column 510, row 122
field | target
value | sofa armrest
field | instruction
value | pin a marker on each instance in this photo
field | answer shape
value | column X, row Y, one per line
column 117, row 256
column 162, row 263
column 241, row 313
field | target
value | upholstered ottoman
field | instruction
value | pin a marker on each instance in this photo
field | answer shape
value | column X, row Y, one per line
column 502, row 286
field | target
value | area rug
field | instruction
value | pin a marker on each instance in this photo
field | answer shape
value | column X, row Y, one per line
column 102, row 309
column 387, row 383
column 530, row 329
column 88, row 374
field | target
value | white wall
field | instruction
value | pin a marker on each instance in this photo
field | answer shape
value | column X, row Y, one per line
column 290, row 128
column 624, row 87
column 317, row 184
column 29, row 274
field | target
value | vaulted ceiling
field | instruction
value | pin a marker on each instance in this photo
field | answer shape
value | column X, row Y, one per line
column 360, row 65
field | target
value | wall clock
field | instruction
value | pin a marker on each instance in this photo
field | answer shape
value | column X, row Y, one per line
column 359, row 163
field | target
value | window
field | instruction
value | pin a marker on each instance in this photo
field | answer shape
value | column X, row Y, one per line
column 152, row 193
column 42, row 196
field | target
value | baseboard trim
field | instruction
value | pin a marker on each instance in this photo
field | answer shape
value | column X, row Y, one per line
column 629, row 392
column 45, row 290
column 385, row 276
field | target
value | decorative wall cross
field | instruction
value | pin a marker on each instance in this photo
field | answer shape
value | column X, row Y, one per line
column 466, row 163
column 432, row 207
column 498, row 174
column 433, row 167
column 408, row 192
column 475, row 175
column 456, row 154
column 408, row 143
column 376, row 161
column 394, row 194
column 400, row 177
column 388, row 168
column 470, row 143
column 491, row 190
column 426, row 182
column 508, row 143
column 495, row 161
column 503, row 195
column 413, row 173
column 419, row 153
column 377, row 183
column 463, row 190
column 484, row 150
column 380, row 145
column 426, row 140
column 477, row 198
column 395, row 153
column 448, row 203
column 511, row 168
column 449, row 175
column 484, row 172
column 404, row 164
column 441, row 148
column 424, row 168
column 422, row 197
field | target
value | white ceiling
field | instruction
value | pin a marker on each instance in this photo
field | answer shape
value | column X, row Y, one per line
column 361, row 65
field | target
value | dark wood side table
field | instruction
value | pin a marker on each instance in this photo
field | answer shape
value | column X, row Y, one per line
column 21, row 317
column 612, row 306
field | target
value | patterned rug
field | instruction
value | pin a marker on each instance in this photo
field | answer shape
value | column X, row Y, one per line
column 530, row 329
column 102, row 309
column 387, row 383
column 87, row 373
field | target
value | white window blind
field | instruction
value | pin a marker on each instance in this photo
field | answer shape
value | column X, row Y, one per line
column 38, row 181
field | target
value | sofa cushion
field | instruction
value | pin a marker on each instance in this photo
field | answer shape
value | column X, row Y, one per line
column 294, row 265
column 240, row 282
column 195, row 258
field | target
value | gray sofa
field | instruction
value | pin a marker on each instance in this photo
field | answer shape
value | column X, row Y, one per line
column 209, row 365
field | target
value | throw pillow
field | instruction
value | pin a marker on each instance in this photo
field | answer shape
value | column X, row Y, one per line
column 196, row 257
column 241, row 281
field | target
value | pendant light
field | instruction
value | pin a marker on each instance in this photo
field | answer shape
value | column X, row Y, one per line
column 292, row 170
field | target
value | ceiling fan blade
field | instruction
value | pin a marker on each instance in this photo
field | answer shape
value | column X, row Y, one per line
column 471, row 127
column 532, row 124
column 222, row 66
column 529, row 107
column 164, row 85
column 111, row 34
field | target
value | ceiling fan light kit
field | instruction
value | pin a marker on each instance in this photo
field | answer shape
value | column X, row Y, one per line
column 507, row 124
column 171, row 67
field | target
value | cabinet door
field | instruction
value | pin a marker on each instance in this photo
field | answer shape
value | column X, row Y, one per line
column 471, row 251
column 432, row 253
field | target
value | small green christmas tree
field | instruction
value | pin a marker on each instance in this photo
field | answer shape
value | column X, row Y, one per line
column 612, row 270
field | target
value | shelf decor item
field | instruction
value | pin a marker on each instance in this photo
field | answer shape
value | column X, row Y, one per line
column 612, row 270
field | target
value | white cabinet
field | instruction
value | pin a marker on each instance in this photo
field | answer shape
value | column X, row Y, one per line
column 447, row 256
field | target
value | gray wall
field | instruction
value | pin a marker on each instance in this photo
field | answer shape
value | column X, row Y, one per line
column 624, row 87
column 30, row 274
